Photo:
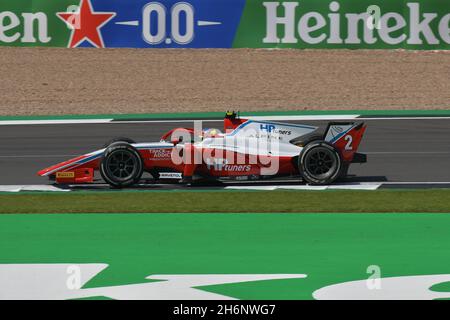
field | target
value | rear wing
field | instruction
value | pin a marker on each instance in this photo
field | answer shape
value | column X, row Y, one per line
column 346, row 137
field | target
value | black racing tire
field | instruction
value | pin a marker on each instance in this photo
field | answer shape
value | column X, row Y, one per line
column 121, row 165
column 118, row 139
column 320, row 163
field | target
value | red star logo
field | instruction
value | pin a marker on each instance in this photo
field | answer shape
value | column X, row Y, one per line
column 86, row 24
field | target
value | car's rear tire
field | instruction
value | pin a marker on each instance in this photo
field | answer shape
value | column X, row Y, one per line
column 118, row 139
column 121, row 165
column 320, row 163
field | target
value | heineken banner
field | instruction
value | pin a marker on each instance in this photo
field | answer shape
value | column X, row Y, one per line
column 368, row 24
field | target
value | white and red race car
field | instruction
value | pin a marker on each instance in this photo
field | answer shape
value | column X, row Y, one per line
column 246, row 150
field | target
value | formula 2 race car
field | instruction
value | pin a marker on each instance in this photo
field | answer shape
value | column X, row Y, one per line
column 247, row 149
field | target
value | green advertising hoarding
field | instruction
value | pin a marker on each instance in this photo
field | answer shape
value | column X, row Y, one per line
column 353, row 24
column 31, row 23
column 367, row 24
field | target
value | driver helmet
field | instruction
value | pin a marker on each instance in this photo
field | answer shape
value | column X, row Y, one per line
column 211, row 133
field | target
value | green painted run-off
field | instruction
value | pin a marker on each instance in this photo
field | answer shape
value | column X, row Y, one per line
column 329, row 248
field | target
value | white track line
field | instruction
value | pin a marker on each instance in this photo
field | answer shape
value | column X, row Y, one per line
column 369, row 186
column 285, row 118
column 416, row 182
column 406, row 152
column 38, row 156
column 306, row 118
column 18, row 188
column 39, row 122
column 165, row 121
column 259, row 118
column 406, row 118
column 349, row 186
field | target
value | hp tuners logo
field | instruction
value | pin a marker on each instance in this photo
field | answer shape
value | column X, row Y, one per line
column 267, row 127
column 224, row 165
column 216, row 164
column 270, row 128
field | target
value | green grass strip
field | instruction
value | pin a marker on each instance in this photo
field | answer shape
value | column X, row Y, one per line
column 256, row 201
column 212, row 115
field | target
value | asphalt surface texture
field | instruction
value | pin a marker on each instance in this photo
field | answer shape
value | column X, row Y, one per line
column 398, row 150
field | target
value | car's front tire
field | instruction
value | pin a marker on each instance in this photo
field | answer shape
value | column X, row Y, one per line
column 118, row 139
column 121, row 165
column 320, row 163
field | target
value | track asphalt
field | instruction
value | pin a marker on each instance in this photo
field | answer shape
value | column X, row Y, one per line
column 399, row 149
